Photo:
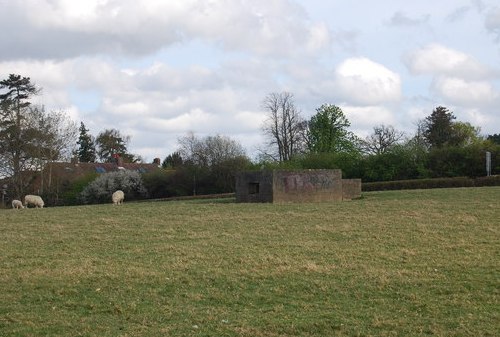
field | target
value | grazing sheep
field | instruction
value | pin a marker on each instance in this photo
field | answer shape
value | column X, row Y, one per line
column 17, row 204
column 33, row 200
column 118, row 197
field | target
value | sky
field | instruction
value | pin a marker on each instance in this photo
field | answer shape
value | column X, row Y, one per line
column 157, row 70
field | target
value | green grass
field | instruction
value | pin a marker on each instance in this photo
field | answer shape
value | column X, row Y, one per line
column 398, row 263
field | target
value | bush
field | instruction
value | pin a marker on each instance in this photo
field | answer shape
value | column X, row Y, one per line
column 100, row 190
column 431, row 183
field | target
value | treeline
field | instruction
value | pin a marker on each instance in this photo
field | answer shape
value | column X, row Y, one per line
column 440, row 147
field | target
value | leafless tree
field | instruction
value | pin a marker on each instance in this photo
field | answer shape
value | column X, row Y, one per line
column 284, row 126
column 382, row 139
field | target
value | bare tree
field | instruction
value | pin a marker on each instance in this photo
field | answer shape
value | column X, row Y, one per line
column 284, row 126
column 382, row 139
column 209, row 151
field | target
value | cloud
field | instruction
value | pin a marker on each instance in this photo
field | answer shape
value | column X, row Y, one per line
column 363, row 119
column 138, row 28
column 469, row 93
column 492, row 22
column 402, row 19
column 435, row 59
column 362, row 81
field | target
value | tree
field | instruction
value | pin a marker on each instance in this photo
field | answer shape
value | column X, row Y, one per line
column 14, row 134
column 172, row 160
column 53, row 139
column 495, row 138
column 110, row 142
column 30, row 137
column 438, row 127
column 284, row 126
column 464, row 134
column 381, row 140
column 86, row 151
column 327, row 131
column 209, row 151
column 211, row 162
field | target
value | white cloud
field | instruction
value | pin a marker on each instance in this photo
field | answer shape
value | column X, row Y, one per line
column 459, row 91
column 264, row 27
column 435, row 59
column 363, row 81
column 363, row 119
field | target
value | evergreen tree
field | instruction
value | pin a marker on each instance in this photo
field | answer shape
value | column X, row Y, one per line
column 438, row 127
column 110, row 142
column 15, row 138
column 86, row 151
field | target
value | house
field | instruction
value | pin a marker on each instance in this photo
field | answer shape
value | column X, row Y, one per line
column 56, row 175
column 281, row 186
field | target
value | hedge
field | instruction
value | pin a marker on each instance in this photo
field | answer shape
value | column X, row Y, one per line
column 432, row 183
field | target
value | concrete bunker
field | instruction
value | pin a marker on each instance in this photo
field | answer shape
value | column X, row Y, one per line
column 283, row 186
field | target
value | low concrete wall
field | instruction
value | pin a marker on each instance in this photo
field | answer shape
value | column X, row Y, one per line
column 351, row 189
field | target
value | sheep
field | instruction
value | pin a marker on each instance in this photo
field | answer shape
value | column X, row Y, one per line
column 118, row 197
column 33, row 200
column 17, row 204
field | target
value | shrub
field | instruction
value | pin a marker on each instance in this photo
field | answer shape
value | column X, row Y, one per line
column 100, row 190
column 431, row 183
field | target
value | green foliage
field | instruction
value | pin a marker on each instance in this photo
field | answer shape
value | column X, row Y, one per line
column 110, row 142
column 172, row 161
column 16, row 135
column 495, row 138
column 72, row 191
column 167, row 183
column 328, row 131
column 101, row 189
column 86, row 151
column 431, row 183
column 439, row 127
column 467, row 161
column 401, row 162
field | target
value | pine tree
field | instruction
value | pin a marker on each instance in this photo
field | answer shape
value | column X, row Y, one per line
column 86, row 151
column 439, row 127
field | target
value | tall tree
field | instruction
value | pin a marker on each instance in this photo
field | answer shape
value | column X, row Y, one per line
column 464, row 134
column 86, row 151
column 382, row 139
column 328, row 131
column 30, row 136
column 14, row 104
column 173, row 160
column 438, row 127
column 284, row 126
column 212, row 162
column 110, row 142
column 495, row 138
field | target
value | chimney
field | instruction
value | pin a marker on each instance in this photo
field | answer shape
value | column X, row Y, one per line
column 118, row 160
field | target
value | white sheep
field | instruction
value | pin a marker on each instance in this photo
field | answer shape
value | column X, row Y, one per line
column 118, row 197
column 17, row 204
column 33, row 200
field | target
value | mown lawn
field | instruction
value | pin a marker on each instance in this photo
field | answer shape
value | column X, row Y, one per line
column 399, row 263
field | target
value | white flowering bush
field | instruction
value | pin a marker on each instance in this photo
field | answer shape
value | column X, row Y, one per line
column 101, row 189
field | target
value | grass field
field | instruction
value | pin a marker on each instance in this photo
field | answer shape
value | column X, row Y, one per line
column 400, row 263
